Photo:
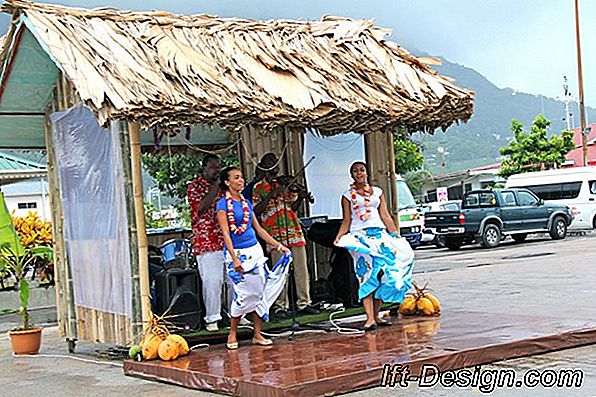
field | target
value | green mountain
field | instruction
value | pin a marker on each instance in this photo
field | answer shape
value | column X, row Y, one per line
column 477, row 142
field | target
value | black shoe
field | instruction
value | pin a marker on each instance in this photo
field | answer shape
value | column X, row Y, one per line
column 310, row 310
column 369, row 328
column 280, row 315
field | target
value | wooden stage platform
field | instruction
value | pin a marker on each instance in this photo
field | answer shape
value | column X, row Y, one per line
column 330, row 363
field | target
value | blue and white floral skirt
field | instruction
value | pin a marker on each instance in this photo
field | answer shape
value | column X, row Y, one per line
column 258, row 287
column 383, row 263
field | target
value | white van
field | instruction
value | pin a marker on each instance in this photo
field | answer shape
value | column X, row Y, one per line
column 410, row 221
column 573, row 187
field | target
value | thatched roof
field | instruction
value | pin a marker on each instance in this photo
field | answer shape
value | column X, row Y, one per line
column 336, row 74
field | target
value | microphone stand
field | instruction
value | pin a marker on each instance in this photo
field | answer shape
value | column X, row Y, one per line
column 295, row 326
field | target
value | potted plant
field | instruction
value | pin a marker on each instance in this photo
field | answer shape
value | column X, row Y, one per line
column 17, row 261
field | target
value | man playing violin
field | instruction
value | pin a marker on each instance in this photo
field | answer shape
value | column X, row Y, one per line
column 276, row 201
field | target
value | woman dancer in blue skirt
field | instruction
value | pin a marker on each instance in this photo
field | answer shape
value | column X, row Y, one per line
column 255, row 286
column 382, row 260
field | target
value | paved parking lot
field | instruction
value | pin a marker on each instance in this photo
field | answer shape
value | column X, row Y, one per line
column 430, row 258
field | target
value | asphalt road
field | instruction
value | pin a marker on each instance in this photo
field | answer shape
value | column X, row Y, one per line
column 432, row 259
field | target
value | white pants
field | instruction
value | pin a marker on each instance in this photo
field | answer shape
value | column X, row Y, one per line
column 211, row 269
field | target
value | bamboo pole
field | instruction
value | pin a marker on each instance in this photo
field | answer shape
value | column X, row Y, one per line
column 393, row 180
column 64, row 293
column 136, row 320
column 57, row 231
column 376, row 156
column 61, row 104
column 137, row 184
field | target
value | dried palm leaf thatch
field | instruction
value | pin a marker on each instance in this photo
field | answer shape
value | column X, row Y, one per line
column 336, row 74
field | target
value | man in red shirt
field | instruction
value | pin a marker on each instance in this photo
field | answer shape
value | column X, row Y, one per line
column 202, row 195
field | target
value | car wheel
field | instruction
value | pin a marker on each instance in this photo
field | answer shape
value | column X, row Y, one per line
column 558, row 229
column 491, row 236
column 440, row 242
column 453, row 243
column 519, row 237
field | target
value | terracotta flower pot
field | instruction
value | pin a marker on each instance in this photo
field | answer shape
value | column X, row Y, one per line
column 25, row 342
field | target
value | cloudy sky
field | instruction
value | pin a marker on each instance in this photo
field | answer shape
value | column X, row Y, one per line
column 527, row 45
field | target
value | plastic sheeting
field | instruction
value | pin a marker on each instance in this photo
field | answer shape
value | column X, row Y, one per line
column 95, row 223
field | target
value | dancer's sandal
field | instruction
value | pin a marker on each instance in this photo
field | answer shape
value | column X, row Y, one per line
column 232, row 345
column 262, row 342
column 371, row 327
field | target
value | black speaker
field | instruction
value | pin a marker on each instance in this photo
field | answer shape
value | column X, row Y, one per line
column 342, row 277
column 178, row 292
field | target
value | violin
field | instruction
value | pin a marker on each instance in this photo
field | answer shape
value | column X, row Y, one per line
column 290, row 183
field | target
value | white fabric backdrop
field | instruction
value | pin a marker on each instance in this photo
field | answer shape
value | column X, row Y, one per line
column 328, row 176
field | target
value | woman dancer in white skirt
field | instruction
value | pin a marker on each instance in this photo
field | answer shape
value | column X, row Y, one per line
column 255, row 286
column 382, row 260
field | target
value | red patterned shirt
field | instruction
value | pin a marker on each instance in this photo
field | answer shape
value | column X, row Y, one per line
column 278, row 219
column 207, row 235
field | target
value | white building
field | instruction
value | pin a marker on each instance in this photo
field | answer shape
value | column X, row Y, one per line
column 25, row 196
column 24, row 186
column 460, row 182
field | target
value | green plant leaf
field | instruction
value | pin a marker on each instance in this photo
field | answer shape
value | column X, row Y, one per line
column 24, row 293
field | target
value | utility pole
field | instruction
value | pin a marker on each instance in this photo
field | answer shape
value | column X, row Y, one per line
column 566, row 100
column 582, row 113
column 442, row 152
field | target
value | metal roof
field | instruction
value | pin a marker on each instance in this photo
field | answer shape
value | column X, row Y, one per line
column 14, row 169
column 9, row 161
column 25, row 188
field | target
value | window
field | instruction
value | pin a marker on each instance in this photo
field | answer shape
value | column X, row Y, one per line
column 592, row 187
column 526, row 199
column 450, row 207
column 432, row 196
column 454, row 192
column 570, row 190
column 557, row 191
column 488, row 200
column 23, row 206
column 471, row 200
column 467, row 187
column 508, row 199
column 547, row 192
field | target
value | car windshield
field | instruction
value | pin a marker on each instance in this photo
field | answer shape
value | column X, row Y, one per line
column 404, row 196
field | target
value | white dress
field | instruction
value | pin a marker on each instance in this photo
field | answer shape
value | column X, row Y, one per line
column 382, row 263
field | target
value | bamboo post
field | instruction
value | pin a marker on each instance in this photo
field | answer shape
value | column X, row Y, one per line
column 137, row 320
column 57, row 230
column 137, row 184
column 63, row 282
column 393, row 180
column 375, row 145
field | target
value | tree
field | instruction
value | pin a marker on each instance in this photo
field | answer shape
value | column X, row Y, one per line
column 174, row 171
column 408, row 156
column 416, row 180
column 534, row 151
